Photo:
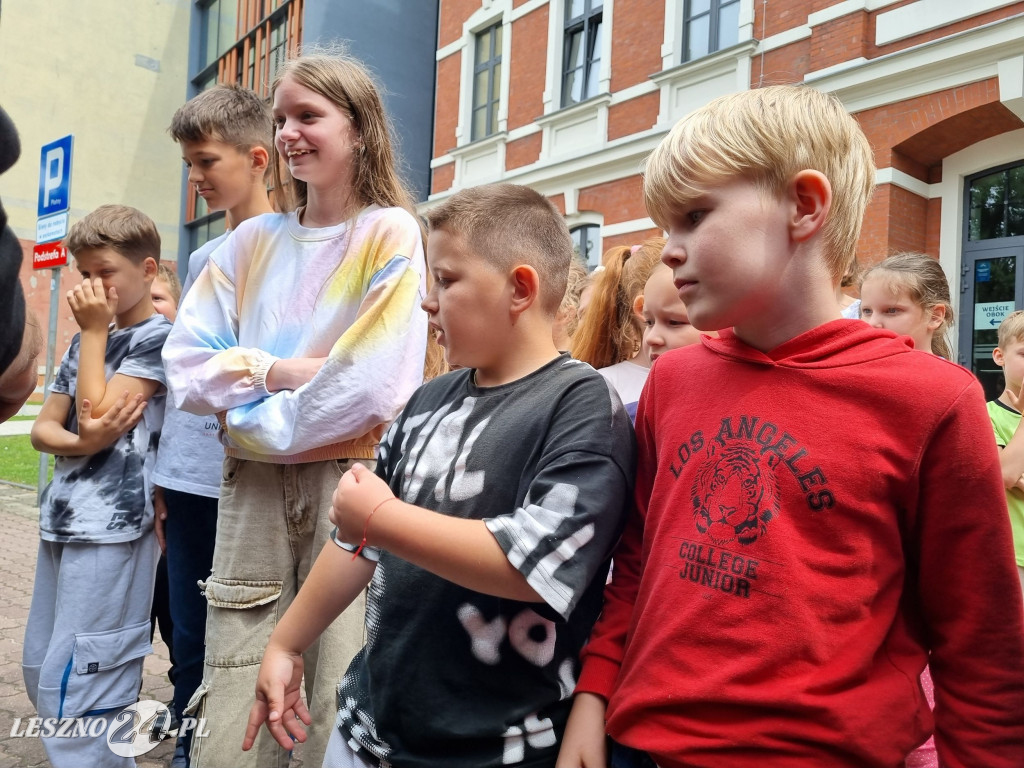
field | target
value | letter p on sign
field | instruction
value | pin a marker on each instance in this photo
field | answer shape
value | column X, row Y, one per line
column 54, row 176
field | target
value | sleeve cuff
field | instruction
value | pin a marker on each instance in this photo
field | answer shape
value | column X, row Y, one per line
column 598, row 677
column 260, row 370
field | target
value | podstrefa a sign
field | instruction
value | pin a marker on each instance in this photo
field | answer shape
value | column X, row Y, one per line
column 49, row 256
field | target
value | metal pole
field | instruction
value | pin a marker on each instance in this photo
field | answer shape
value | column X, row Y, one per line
column 51, row 348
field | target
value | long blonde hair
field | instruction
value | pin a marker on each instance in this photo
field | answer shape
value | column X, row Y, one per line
column 610, row 331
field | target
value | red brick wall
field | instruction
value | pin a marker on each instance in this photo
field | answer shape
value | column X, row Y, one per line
column 630, row 238
column 454, row 13
column 446, row 105
column 619, row 200
column 908, row 217
column 526, row 76
column 932, row 227
column 840, row 40
column 783, row 65
column 897, row 124
column 522, row 151
column 638, row 29
column 898, row 220
column 441, row 178
column 954, row 133
column 783, row 15
column 873, row 244
column 559, row 202
column 909, row 165
column 633, row 116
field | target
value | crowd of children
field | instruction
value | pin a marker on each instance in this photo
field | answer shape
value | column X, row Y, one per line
column 402, row 572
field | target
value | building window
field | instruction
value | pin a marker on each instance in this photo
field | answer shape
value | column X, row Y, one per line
column 270, row 32
column 997, row 205
column 278, row 48
column 219, row 29
column 203, row 230
column 709, row 26
column 586, row 242
column 581, row 54
column 486, row 82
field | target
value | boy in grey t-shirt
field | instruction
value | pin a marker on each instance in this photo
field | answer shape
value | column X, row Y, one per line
column 88, row 627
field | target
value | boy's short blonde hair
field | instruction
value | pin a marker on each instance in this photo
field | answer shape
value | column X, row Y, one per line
column 507, row 225
column 1011, row 329
column 170, row 277
column 126, row 230
column 768, row 135
column 228, row 113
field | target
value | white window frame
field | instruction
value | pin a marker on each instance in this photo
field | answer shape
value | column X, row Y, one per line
column 490, row 13
column 556, row 54
column 491, row 105
column 585, row 72
column 672, row 45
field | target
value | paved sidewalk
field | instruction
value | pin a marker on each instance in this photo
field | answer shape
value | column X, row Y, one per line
column 20, row 426
column 19, row 520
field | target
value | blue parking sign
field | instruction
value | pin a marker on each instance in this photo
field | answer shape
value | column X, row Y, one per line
column 55, row 177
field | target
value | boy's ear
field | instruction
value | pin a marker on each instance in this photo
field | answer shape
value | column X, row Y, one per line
column 811, row 194
column 997, row 357
column 525, row 288
column 260, row 159
column 150, row 269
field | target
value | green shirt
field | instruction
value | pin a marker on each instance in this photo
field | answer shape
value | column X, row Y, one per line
column 1004, row 424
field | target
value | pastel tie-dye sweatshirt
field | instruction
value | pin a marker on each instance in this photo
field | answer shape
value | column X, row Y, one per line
column 277, row 290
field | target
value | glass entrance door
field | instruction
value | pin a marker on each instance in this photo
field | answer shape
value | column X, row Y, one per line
column 992, row 287
column 992, row 267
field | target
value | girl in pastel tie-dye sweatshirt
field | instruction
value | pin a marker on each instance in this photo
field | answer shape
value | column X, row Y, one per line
column 304, row 334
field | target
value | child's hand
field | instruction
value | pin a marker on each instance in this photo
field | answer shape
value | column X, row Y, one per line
column 292, row 373
column 92, row 307
column 96, row 434
column 358, row 494
column 1015, row 398
column 583, row 744
column 278, row 702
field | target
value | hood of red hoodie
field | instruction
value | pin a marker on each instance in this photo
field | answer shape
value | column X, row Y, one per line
column 831, row 345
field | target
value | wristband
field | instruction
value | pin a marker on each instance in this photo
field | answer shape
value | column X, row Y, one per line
column 366, row 525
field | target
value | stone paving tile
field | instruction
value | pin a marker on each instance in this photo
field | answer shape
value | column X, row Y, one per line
column 18, row 547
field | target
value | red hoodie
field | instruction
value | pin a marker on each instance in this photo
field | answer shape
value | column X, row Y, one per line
column 811, row 523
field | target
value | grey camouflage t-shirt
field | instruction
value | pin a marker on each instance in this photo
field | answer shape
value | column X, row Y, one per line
column 107, row 497
column 452, row 677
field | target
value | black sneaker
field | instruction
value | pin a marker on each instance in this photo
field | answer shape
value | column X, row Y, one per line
column 165, row 724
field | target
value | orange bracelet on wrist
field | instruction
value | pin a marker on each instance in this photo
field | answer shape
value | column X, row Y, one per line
column 366, row 525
